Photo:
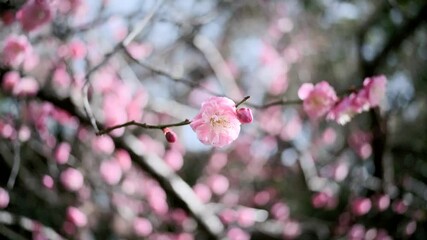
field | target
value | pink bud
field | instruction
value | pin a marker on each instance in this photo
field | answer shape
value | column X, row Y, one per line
column 244, row 115
column 142, row 227
column 169, row 135
column 76, row 216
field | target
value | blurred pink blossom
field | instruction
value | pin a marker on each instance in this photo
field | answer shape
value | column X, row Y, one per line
column 47, row 181
column 123, row 159
column 382, row 202
column 344, row 110
column 142, row 227
column 246, row 217
column 72, row 179
column 76, row 216
column 111, row 171
column 27, row 86
column 361, row 206
column 237, row 234
column 376, row 88
column 34, row 14
column 203, row 192
column 317, row 99
column 15, row 50
column 10, row 80
column 4, row 198
column 219, row 184
column 174, row 159
column 103, row 144
column 217, row 123
column 62, row 153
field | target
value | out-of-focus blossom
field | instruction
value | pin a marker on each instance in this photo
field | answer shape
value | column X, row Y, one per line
column 217, row 123
column 361, row 206
column 27, row 86
column 111, row 171
column 4, row 198
column 47, row 181
column 34, row 14
column 375, row 89
column 15, row 50
column 142, row 227
column 62, row 153
column 103, row 144
column 72, row 179
column 10, row 79
column 76, row 216
column 237, row 234
column 343, row 111
column 317, row 99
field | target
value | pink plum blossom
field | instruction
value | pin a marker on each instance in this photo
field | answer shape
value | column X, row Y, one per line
column 34, row 14
column 375, row 89
column 76, row 216
column 15, row 50
column 317, row 99
column 343, row 111
column 72, row 179
column 217, row 123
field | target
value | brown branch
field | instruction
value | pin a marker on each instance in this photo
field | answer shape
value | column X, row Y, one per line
column 174, row 185
column 143, row 125
column 242, row 101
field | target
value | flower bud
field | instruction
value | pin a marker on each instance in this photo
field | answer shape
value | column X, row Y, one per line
column 244, row 115
column 169, row 135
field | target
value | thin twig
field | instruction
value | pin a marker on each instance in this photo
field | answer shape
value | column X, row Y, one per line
column 129, row 38
column 143, row 125
column 188, row 82
column 242, row 101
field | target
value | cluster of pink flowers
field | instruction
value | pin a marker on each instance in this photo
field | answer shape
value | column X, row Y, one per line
column 320, row 99
column 25, row 86
column 218, row 122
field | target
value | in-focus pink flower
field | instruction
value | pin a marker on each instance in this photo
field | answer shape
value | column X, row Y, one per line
column 375, row 88
column 15, row 50
column 76, row 216
column 217, row 123
column 317, row 99
column 34, row 14
column 72, row 179
column 244, row 115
